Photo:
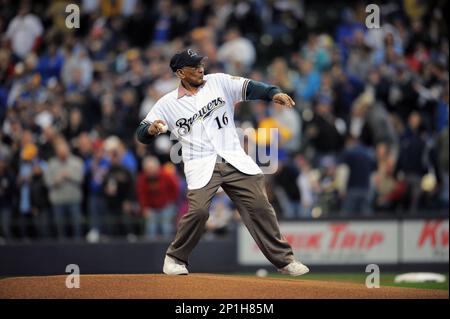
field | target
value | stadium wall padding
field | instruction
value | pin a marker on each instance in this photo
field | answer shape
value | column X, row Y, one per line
column 109, row 258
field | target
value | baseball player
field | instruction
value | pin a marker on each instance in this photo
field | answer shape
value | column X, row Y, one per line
column 200, row 114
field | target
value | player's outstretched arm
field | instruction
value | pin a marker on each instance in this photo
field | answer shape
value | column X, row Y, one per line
column 261, row 91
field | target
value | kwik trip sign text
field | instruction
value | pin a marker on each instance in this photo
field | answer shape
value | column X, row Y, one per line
column 357, row 242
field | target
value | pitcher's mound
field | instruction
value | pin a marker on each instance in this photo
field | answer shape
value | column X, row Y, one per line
column 198, row 286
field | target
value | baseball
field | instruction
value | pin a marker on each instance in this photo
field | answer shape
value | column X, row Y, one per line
column 162, row 127
column 262, row 272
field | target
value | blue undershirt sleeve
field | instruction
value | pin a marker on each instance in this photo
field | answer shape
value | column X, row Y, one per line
column 256, row 90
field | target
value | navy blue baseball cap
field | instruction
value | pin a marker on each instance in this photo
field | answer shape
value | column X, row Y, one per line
column 185, row 58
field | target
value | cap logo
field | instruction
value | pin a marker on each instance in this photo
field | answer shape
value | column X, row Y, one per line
column 191, row 53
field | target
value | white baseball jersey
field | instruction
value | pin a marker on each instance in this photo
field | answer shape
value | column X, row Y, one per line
column 204, row 125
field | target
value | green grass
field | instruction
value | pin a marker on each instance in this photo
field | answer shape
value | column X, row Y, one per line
column 386, row 279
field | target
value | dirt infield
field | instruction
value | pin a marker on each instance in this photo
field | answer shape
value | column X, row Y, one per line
column 199, row 286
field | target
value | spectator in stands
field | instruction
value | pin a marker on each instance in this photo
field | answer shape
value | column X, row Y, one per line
column 157, row 191
column 163, row 21
column 77, row 71
column 387, row 192
column 391, row 47
column 286, row 190
column 46, row 143
column 39, row 200
column 128, row 112
column 24, row 31
column 290, row 124
column 64, row 178
column 324, row 132
column 96, row 168
column 110, row 122
column 50, row 64
column 246, row 16
column 28, row 159
column 315, row 50
column 75, row 126
column 307, row 82
column 237, row 53
column 308, row 185
column 142, row 19
column 403, row 98
column 118, row 187
column 359, row 54
column 281, row 75
column 361, row 164
column 412, row 159
column 114, row 146
column 152, row 95
column 347, row 88
column 331, row 187
column 345, row 30
column 370, row 122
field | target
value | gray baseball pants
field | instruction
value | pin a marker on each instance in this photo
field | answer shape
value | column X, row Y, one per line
column 249, row 195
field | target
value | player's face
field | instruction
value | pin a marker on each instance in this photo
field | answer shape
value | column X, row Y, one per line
column 193, row 75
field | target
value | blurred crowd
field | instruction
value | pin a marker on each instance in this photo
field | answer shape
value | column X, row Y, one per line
column 368, row 135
